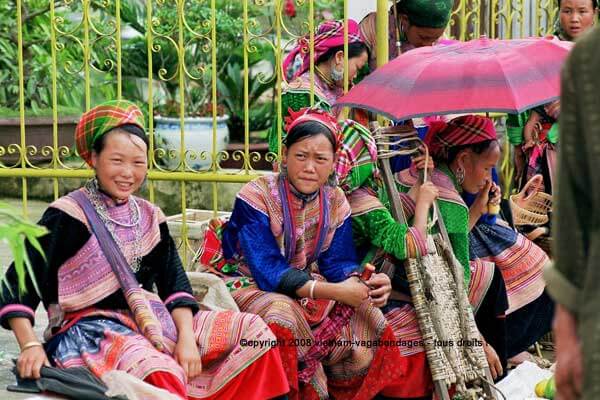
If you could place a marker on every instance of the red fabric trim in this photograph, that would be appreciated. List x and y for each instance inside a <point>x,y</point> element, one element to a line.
<point>387,369</point>
<point>417,381</point>
<point>289,358</point>
<point>71,319</point>
<point>263,379</point>
<point>168,382</point>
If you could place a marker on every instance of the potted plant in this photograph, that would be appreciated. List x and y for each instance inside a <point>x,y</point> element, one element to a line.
<point>261,105</point>
<point>14,230</point>
<point>197,88</point>
<point>37,89</point>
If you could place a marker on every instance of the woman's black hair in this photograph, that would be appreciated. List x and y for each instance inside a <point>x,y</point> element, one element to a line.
<point>477,148</point>
<point>132,129</point>
<point>308,129</point>
<point>594,3</point>
<point>354,50</point>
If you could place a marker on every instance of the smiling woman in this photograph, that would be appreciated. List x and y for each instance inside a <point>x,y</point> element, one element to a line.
<point>120,159</point>
<point>97,285</point>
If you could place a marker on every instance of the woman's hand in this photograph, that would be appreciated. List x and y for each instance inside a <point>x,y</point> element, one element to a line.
<point>427,194</point>
<point>30,362</point>
<point>496,196</point>
<point>188,356</point>
<point>493,361</point>
<point>480,205</point>
<point>352,292</point>
<point>381,288</point>
<point>419,162</point>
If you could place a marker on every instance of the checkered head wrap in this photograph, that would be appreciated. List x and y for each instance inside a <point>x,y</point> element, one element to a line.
<point>100,120</point>
<point>463,130</point>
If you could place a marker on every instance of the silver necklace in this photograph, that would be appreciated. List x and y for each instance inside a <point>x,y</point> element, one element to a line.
<point>93,190</point>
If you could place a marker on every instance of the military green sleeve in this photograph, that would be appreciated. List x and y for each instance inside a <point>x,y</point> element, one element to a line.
<point>572,222</point>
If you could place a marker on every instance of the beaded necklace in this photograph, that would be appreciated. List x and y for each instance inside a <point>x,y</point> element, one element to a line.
<point>93,191</point>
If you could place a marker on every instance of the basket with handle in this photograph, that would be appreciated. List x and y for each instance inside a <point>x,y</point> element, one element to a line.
<point>531,206</point>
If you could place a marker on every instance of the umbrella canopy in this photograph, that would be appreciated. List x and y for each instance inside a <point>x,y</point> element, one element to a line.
<point>476,76</point>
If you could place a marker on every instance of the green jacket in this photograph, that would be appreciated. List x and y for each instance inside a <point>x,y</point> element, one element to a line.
<point>574,279</point>
<point>378,229</point>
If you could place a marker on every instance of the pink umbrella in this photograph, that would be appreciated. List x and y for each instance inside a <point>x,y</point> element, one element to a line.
<point>476,76</point>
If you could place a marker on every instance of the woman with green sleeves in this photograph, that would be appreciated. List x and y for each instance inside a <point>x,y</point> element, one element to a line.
<point>328,72</point>
<point>575,17</point>
<point>385,242</point>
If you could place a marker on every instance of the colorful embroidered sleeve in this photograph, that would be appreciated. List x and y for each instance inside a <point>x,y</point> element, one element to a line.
<point>260,250</point>
<point>171,280</point>
<point>57,250</point>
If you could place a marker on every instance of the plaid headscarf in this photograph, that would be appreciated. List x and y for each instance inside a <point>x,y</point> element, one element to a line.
<point>466,129</point>
<point>357,161</point>
<point>307,114</point>
<point>427,13</point>
<point>100,120</point>
<point>330,34</point>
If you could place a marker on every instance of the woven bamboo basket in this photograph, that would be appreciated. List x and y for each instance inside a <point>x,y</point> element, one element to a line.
<point>531,206</point>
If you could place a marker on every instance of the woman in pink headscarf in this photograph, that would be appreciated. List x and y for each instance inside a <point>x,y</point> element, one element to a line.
<point>328,72</point>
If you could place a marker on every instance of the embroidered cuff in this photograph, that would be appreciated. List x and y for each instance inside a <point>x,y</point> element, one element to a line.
<point>15,310</point>
<point>419,243</point>
<point>292,280</point>
<point>181,299</point>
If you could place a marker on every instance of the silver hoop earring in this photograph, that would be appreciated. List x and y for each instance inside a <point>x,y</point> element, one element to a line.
<point>460,175</point>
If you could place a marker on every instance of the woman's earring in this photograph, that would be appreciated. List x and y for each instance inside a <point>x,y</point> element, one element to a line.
<point>336,75</point>
<point>283,170</point>
<point>333,180</point>
<point>460,175</point>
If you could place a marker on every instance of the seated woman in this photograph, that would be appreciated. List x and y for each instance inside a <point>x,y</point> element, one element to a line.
<point>466,151</point>
<point>386,242</point>
<point>100,317</point>
<point>329,71</point>
<point>288,256</point>
<point>521,261</point>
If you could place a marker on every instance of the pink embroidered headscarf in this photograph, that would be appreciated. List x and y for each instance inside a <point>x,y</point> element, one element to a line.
<point>330,34</point>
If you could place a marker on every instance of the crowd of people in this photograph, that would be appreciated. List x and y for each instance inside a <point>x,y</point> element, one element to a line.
<point>294,251</point>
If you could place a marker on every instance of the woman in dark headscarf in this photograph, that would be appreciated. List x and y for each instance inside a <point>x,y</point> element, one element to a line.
<point>413,23</point>
<point>329,71</point>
